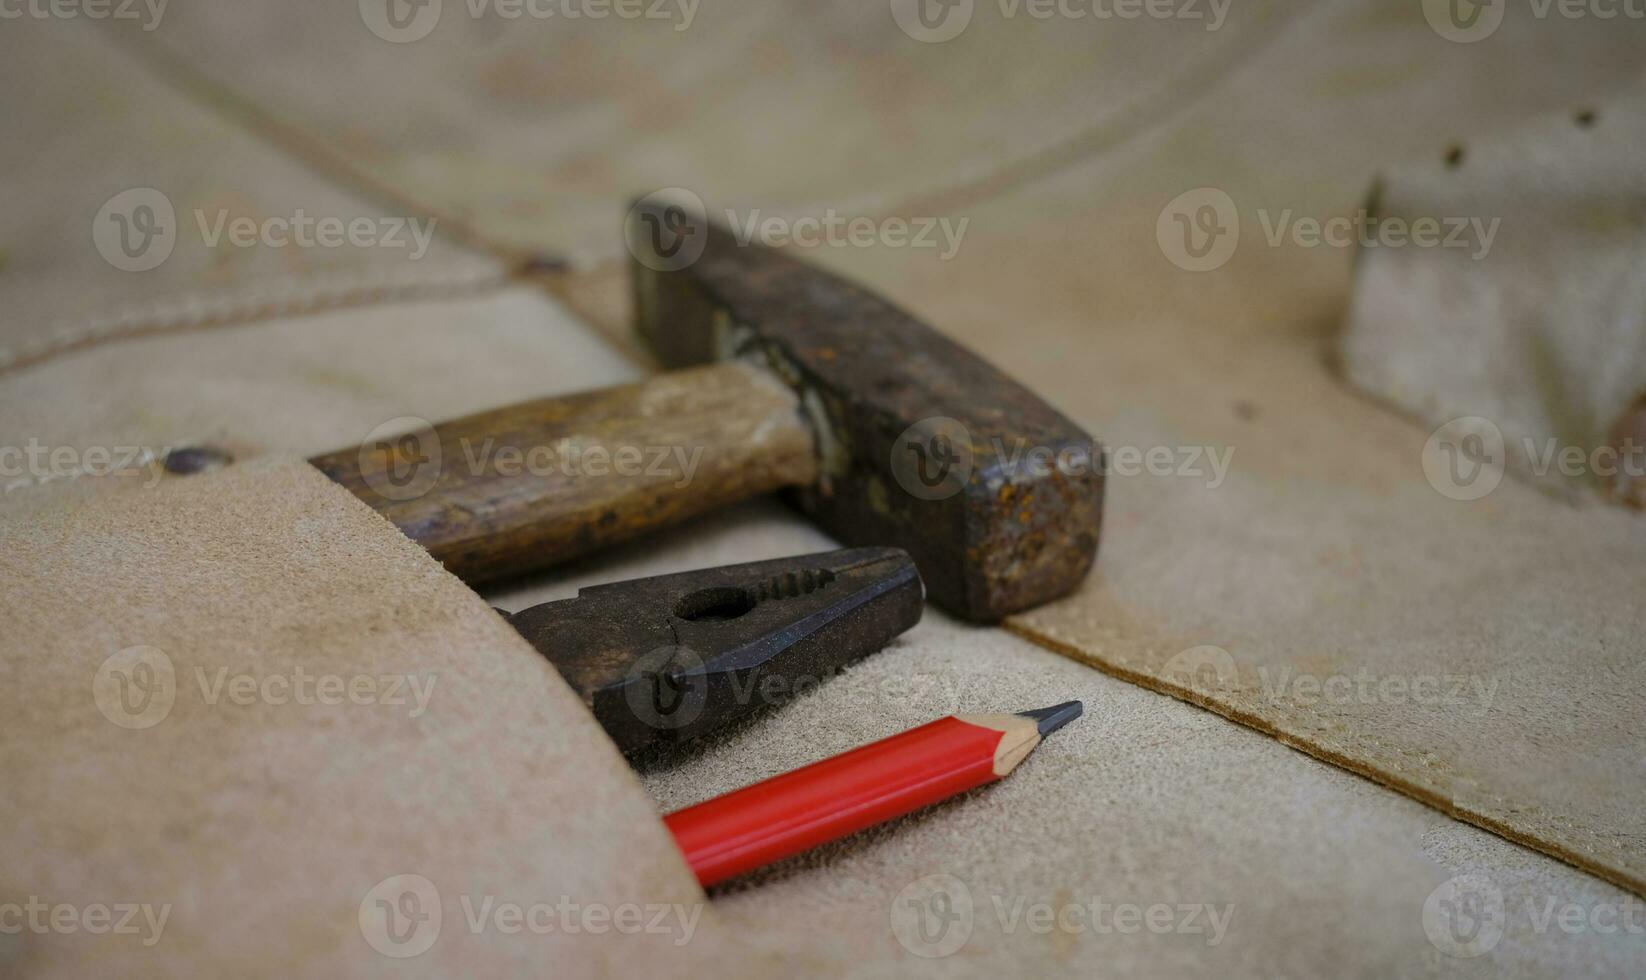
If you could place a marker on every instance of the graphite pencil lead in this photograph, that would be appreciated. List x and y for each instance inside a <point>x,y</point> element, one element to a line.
<point>1049,720</point>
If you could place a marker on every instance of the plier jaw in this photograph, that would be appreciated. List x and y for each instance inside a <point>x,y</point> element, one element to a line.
<point>665,659</point>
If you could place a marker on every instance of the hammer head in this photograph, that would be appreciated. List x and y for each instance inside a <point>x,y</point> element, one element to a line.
<point>923,445</point>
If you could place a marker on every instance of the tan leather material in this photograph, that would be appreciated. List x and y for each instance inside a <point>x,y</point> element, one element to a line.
<point>1152,802</point>
<point>243,702</point>
<point>302,385</point>
<point>1533,330</point>
<point>1142,802</point>
<point>1175,807</point>
<point>232,231</point>
<point>1323,549</point>
<point>486,117</point>
<point>1140,808</point>
<point>1501,640</point>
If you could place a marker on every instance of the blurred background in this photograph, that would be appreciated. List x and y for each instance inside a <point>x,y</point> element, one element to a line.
<point>1075,187</point>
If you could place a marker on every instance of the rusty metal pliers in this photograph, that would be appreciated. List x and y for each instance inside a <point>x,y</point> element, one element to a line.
<point>662,660</point>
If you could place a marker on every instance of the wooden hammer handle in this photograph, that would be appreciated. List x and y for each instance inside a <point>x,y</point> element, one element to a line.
<point>523,487</point>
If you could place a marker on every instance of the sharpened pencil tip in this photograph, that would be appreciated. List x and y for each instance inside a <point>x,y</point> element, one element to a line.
<point>1051,719</point>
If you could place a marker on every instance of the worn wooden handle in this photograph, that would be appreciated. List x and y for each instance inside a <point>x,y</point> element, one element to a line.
<point>523,487</point>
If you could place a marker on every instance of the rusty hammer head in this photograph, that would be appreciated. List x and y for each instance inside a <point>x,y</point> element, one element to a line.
<point>923,445</point>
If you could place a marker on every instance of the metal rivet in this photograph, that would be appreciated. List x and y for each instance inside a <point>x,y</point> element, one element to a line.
<point>196,459</point>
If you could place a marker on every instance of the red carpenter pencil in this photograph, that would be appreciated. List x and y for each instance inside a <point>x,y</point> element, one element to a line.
<point>796,811</point>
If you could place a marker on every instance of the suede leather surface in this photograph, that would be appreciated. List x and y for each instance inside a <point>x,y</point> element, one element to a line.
<point>528,130</point>
<point>259,813</point>
<point>1171,805</point>
<point>1483,656</point>
<point>1145,801</point>
<point>1543,336</point>
<point>86,121</point>
<point>1323,551</point>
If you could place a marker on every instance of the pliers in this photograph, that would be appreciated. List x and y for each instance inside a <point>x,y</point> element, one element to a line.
<point>665,659</point>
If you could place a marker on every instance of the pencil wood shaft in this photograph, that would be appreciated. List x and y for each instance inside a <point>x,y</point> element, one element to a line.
<point>796,811</point>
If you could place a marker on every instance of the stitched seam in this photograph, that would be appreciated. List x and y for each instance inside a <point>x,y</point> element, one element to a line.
<point>1623,870</point>
<point>198,311</point>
